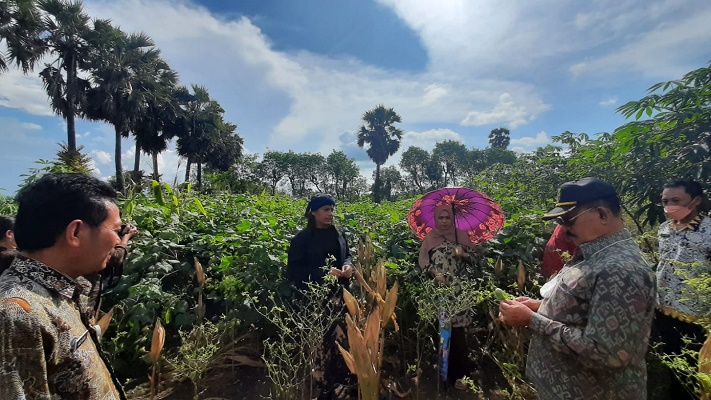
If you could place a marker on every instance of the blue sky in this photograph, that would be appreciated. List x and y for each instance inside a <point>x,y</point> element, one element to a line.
<point>298,75</point>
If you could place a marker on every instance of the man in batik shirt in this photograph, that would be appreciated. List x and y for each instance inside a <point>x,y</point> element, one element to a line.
<point>589,334</point>
<point>66,227</point>
<point>684,252</point>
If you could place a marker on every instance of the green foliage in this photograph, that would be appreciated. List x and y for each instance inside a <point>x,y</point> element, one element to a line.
<point>196,353</point>
<point>7,206</point>
<point>291,355</point>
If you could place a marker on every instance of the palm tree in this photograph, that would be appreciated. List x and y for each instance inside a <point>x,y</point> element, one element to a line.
<point>20,28</point>
<point>65,30</point>
<point>119,71</point>
<point>500,138</point>
<point>382,137</point>
<point>199,125</point>
<point>158,123</point>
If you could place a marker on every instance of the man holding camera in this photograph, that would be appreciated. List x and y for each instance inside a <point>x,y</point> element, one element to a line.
<point>67,227</point>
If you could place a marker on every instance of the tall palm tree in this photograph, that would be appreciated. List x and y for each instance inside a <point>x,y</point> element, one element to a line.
<point>158,123</point>
<point>119,73</point>
<point>382,137</point>
<point>500,138</point>
<point>200,124</point>
<point>20,28</point>
<point>65,33</point>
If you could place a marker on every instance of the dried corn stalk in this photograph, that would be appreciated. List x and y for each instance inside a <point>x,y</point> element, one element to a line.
<point>157,343</point>
<point>366,321</point>
<point>498,266</point>
<point>521,276</point>
<point>104,322</point>
<point>200,276</point>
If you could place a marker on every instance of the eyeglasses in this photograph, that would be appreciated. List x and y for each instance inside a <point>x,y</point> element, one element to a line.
<point>568,222</point>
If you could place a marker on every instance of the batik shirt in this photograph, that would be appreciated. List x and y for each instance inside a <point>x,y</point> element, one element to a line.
<point>443,261</point>
<point>589,336</point>
<point>47,349</point>
<point>683,253</point>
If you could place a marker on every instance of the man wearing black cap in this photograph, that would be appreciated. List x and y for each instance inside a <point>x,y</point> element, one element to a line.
<point>589,333</point>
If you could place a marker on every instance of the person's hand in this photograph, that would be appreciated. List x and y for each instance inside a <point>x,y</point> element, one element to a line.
<point>439,278</point>
<point>461,254</point>
<point>132,231</point>
<point>529,302</point>
<point>129,231</point>
<point>336,272</point>
<point>514,313</point>
<point>347,271</point>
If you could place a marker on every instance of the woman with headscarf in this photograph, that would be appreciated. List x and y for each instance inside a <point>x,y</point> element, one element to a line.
<point>443,258</point>
<point>308,254</point>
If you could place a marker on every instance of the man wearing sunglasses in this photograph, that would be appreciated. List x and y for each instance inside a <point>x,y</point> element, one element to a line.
<point>589,334</point>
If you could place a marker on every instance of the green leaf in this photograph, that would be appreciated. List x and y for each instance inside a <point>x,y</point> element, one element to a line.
<point>157,192</point>
<point>199,206</point>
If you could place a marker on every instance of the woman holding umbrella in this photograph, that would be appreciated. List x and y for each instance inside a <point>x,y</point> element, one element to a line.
<point>452,222</point>
<point>446,257</point>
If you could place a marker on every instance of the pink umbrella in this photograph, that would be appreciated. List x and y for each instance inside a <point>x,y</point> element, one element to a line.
<point>474,212</point>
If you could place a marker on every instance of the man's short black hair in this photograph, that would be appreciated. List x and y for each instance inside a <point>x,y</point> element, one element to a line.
<point>692,188</point>
<point>7,223</point>
<point>610,202</point>
<point>49,204</point>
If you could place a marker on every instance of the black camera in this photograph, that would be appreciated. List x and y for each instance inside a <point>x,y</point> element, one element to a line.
<point>125,228</point>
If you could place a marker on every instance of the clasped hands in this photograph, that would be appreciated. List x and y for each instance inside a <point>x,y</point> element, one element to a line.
<point>517,313</point>
<point>345,272</point>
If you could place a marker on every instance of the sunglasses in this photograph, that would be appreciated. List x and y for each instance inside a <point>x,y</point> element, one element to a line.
<point>568,222</point>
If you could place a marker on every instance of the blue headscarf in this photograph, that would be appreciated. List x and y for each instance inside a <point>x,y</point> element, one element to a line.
<point>318,201</point>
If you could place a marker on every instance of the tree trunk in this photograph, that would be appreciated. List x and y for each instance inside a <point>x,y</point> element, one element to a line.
<point>187,170</point>
<point>117,160</point>
<point>376,185</point>
<point>71,102</point>
<point>137,160</point>
<point>199,174</point>
<point>156,176</point>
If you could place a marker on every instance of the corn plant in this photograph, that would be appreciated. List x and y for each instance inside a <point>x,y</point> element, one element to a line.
<point>366,319</point>
<point>157,343</point>
<point>200,276</point>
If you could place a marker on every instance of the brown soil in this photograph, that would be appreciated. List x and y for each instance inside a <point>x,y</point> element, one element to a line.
<point>246,383</point>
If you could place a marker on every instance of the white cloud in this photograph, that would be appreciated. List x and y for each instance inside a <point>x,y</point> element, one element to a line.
<point>610,101</point>
<point>506,111</point>
<point>528,143</point>
<point>428,139</point>
<point>577,69</point>
<point>31,126</point>
<point>433,93</point>
<point>101,157</point>
<point>93,168</point>
<point>23,92</point>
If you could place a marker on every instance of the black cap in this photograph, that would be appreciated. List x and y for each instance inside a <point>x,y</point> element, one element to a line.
<point>318,201</point>
<point>579,192</point>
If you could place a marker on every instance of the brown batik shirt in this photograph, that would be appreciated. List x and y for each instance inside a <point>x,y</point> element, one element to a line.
<point>47,348</point>
<point>589,337</point>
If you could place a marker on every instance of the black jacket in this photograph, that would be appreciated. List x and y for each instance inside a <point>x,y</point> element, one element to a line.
<point>306,258</point>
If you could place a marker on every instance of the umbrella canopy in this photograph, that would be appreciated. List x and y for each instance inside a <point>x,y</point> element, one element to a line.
<point>474,212</point>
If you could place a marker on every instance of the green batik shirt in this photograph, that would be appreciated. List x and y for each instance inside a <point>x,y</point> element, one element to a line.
<point>589,336</point>
<point>48,350</point>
